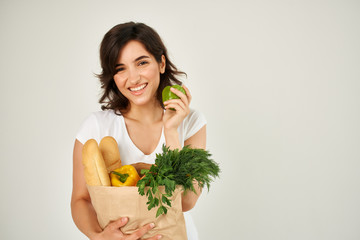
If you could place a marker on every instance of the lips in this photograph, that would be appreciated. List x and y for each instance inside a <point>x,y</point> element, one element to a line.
<point>138,88</point>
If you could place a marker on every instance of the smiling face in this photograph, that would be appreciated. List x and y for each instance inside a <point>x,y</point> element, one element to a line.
<point>138,74</point>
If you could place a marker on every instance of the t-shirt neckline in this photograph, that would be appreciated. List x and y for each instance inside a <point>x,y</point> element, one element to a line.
<point>132,144</point>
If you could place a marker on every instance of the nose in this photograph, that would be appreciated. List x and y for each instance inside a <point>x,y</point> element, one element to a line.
<point>134,76</point>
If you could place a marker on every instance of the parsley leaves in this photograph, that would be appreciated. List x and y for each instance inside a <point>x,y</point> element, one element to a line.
<point>172,168</point>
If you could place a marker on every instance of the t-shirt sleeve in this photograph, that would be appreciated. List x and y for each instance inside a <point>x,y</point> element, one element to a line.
<point>193,123</point>
<point>88,129</point>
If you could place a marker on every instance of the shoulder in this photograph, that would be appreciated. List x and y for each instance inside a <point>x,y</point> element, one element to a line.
<point>97,124</point>
<point>105,120</point>
<point>193,122</point>
<point>104,115</point>
<point>195,116</point>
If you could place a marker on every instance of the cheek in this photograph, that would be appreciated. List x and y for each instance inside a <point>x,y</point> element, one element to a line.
<point>120,84</point>
<point>151,73</point>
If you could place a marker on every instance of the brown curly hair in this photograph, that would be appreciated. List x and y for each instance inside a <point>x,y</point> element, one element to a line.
<point>113,42</point>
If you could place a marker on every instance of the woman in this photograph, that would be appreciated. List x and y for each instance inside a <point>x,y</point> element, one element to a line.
<point>135,70</point>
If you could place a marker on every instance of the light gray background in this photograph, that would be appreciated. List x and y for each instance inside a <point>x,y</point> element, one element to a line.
<point>277,80</point>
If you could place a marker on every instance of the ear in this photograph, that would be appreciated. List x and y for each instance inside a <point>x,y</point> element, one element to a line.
<point>162,64</point>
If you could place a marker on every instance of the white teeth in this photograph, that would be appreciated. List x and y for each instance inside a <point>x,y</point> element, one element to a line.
<point>138,88</point>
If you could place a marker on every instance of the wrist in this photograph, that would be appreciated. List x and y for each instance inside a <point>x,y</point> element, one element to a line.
<point>172,138</point>
<point>170,132</point>
<point>96,235</point>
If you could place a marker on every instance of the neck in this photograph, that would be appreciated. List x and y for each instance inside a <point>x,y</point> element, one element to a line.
<point>146,114</point>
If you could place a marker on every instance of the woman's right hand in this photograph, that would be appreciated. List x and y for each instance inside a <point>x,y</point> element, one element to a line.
<point>112,231</point>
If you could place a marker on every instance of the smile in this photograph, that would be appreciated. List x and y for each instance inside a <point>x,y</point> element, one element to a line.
<point>138,88</point>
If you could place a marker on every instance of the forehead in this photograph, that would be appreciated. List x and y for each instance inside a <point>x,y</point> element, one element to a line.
<point>131,51</point>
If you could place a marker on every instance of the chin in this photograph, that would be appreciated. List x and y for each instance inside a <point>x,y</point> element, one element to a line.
<point>141,102</point>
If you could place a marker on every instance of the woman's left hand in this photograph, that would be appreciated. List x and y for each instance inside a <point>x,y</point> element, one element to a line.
<point>172,119</point>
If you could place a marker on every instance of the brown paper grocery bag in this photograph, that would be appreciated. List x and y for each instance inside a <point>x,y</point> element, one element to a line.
<point>110,203</point>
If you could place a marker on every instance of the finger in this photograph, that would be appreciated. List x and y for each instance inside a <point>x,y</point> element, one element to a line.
<point>187,93</point>
<point>175,106</point>
<point>180,94</point>
<point>176,101</point>
<point>118,223</point>
<point>141,232</point>
<point>154,237</point>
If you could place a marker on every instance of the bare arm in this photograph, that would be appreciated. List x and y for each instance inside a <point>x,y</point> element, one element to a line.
<point>198,140</point>
<point>82,210</point>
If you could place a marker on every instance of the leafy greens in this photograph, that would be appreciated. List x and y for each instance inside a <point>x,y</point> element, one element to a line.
<point>172,168</point>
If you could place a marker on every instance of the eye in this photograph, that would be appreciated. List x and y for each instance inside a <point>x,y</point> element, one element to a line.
<point>119,70</point>
<point>141,63</point>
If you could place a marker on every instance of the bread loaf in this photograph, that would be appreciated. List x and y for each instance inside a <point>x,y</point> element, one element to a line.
<point>110,152</point>
<point>95,171</point>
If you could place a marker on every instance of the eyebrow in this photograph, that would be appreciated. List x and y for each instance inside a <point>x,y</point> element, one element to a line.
<point>137,59</point>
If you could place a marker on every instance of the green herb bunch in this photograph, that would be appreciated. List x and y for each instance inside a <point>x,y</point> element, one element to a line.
<point>174,167</point>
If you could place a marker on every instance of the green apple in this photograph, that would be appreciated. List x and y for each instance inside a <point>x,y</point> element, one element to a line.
<point>168,95</point>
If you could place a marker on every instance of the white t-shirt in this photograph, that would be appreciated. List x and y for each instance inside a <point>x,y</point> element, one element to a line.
<point>107,123</point>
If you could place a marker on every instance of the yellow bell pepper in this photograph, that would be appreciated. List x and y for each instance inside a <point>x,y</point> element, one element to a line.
<point>124,176</point>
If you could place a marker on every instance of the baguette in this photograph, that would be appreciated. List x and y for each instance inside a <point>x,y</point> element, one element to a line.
<point>110,152</point>
<point>95,170</point>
